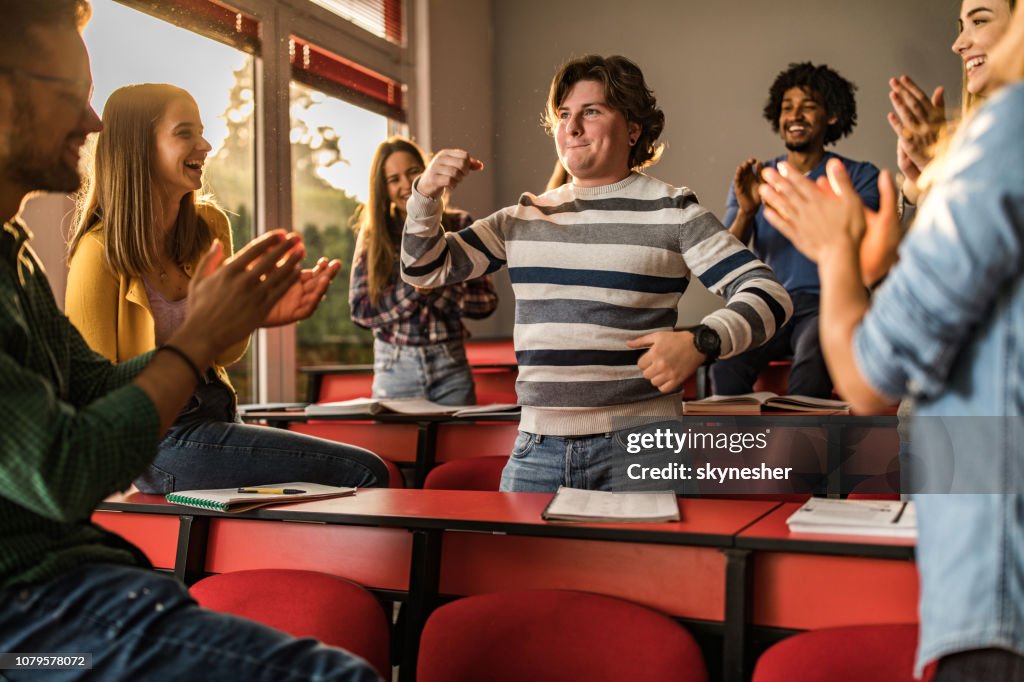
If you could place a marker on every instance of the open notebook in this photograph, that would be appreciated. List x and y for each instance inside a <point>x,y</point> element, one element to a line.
<point>598,506</point>
<point>411,406</point>
<point>753,403</point>
<point>230,500</point>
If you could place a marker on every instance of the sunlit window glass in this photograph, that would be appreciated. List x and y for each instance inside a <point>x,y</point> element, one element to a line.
<point>332,146</point>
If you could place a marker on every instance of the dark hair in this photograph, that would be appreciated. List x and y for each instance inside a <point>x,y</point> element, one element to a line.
<point>20,16</point>
<point>835,91</point>
<point>624,89</point>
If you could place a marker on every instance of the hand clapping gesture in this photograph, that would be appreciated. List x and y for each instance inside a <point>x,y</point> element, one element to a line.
<point>828,216</point>
<point>917,121</point>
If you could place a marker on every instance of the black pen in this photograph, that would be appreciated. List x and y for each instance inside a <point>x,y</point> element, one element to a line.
<point>272,491</point>
<point>899,514</point>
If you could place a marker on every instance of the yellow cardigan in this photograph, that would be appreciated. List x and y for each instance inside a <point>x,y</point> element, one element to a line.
<point>112,311</point>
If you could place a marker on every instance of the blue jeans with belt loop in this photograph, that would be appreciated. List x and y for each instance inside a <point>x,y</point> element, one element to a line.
<point>137,624</point>
<point>438,372</point>
<point>542,463</point>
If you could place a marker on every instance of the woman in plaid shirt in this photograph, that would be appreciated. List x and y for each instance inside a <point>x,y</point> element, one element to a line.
<point>418,333</point>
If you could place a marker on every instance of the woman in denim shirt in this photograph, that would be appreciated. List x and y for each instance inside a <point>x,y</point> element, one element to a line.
<point>946,328</point>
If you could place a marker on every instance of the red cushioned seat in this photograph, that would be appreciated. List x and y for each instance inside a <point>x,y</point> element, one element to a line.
<point>304,604</point>
<point>858,653</point>
<point>541,635</point>
<point>475,473</point>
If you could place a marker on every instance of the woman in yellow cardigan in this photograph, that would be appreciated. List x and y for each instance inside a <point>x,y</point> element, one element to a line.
<point>140,232</point>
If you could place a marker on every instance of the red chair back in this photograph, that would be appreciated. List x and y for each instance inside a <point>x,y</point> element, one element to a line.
<point>477,473</point>
<point>304,604</point>
<point>842,654</point>
<point>540,635</point>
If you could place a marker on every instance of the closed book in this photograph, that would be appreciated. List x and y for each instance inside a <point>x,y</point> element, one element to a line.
<point>887,518</point>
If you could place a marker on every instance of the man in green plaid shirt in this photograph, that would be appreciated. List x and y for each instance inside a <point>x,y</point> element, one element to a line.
<point>78,428</point>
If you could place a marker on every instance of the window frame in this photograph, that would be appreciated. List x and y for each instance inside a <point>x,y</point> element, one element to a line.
<point>277,21</point>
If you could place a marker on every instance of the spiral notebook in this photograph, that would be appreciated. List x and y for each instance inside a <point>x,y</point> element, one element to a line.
<point>230,500</point>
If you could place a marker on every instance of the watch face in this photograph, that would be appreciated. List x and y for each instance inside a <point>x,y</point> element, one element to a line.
<point>708,341</point>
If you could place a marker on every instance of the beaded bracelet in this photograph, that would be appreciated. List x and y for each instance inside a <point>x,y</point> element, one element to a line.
<point>184,356</point>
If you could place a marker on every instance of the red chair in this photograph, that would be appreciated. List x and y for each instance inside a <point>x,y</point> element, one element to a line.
<point>878,487</point>
<point>304,604</point>
<point>477,473</point>
<point>880,653</point>
<point>395,478</point>
<point>774,377</point>
<point>542,635</point>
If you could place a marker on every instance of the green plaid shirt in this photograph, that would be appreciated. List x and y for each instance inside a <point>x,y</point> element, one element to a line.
<point>74,429</point>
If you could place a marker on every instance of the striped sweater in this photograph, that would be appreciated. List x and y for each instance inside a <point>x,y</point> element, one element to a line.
<point>592,268</point>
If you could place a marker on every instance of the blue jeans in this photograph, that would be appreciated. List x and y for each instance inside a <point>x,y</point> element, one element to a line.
<point>980,665</point>
<point>142,625</point>
<point>542,463</point>
<point>438,372</point>
<point>207,447</point>
<point>798,339</point>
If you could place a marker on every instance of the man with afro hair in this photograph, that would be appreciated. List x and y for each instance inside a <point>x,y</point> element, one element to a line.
<point>810,107</point>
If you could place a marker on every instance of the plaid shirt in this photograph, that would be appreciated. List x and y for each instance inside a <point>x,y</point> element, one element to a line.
<point>75,430</point>
<point>405,317</point>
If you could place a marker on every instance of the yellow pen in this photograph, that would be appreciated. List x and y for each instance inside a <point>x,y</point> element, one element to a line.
<point>272,491</point>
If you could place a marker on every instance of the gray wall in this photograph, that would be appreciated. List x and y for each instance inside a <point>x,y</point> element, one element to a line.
<point>710,65</point>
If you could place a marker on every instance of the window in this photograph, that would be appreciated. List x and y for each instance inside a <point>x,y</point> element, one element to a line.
<point>382,18</point>
<point>346,94</point>
<point>333,142</point>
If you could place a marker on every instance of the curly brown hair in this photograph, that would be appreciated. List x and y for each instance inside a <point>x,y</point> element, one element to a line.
<point>624,89</point>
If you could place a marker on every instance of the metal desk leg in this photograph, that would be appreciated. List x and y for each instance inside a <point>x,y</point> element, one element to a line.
<point>424,579</point>
<point>190,559</point>
<point>426,452</point>
<point>737,615</point>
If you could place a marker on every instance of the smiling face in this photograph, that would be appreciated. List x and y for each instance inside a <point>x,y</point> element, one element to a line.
<point>982,23</point>
<point>803,121</point>
<point>44,123</point>
<point>592,138</point>
<point>180,149</point>
<point>400,170</point>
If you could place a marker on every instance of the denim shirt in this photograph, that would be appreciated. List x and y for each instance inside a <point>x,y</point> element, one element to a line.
<point>946,328</point>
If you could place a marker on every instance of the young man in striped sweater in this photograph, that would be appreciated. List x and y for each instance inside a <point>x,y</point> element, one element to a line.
<point>598,266</point>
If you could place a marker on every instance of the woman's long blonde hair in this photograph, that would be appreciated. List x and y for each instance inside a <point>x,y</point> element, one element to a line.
<point>119,192</point>
<point>373,219</point>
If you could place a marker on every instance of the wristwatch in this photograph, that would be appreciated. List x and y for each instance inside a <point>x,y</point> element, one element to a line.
<point>707,341</point>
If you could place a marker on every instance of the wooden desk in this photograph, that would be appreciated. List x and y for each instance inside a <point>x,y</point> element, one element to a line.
<point>420,544</point>
<point>803,581</point>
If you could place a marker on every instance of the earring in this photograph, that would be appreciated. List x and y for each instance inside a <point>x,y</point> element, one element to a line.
<point>632,141</point>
